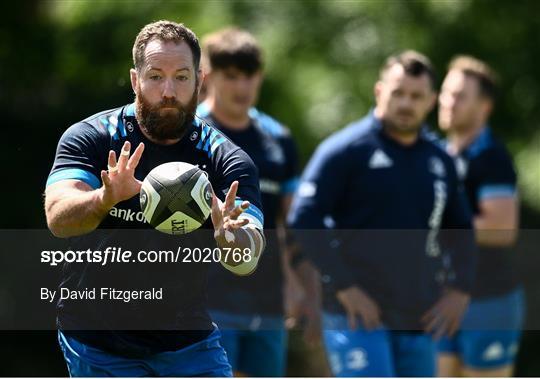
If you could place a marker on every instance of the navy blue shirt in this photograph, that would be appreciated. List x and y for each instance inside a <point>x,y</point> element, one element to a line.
<point>370,212</point>
<point>81,154</point>
<point>273,151</point>
<point>487,171</point>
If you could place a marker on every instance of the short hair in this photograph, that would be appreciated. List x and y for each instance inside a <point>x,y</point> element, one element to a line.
<point>167,31</point>
<point>414,63</point>
<point>479,70</point>
<point>232,47</point>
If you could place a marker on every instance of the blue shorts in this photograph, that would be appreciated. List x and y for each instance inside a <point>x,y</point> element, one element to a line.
<point>490,332</point>
<point>376,353</point>
<point>255,345</point>
<point>204,358</point>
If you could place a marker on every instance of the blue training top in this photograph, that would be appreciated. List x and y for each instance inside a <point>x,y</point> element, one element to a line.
<point>274,152</point>
<point>372,212</point>
<point>81,154</point>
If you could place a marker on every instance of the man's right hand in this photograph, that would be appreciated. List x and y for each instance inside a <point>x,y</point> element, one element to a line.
<point>73,207</point>
<point>358,303</point>
<point>119,182</point>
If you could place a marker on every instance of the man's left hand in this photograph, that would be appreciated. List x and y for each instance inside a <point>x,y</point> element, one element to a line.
<point>445,316</point>
<point>225,217</point>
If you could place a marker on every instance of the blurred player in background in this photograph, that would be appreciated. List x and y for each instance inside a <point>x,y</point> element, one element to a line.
<point>489,339</point>
<point>384,291</point>
<point>96,177</point>
<point>250,314</point>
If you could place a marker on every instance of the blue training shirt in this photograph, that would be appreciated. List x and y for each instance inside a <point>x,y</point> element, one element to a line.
<point>274,152</point>
<point>81,154</point>
<point>371,212</point>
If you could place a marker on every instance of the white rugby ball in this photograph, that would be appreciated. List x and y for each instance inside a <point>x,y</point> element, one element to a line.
<point>176,198</point>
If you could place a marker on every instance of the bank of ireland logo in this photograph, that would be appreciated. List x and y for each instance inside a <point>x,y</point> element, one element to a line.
<point>127,214</point>
<point>129,126</point>
<point>193,136</point>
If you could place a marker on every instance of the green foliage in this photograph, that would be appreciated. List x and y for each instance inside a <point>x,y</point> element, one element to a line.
<point>63,60</point>
<point>322,58</point>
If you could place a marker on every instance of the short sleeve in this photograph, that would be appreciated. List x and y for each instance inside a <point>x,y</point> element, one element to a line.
<point>237,165</point>
<point>494,174</point>
<point>80,155</point>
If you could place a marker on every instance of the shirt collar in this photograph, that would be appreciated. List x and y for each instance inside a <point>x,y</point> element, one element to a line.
<point>425,132</point>
<point>480,142</point>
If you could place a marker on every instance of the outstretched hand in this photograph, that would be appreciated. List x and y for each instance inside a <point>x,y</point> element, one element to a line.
<point>225,216</point>
<point>119,182</point>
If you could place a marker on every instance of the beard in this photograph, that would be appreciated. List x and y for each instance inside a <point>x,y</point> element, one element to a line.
<point>165,124</point>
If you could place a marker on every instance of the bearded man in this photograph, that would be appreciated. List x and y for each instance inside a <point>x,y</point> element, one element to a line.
<point>90,191</point>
